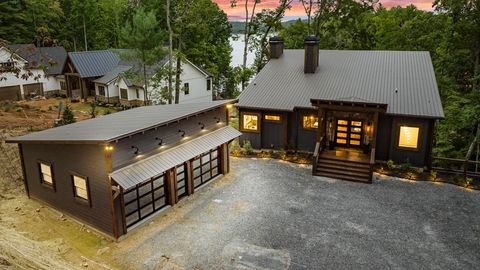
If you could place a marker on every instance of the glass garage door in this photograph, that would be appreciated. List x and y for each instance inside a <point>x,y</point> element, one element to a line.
<point>144,199</point>
<point>205,167</point>
<point>181,181</point>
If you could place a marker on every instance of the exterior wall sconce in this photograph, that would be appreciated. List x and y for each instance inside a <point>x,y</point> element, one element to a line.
<point>216,118</point>
<point>136,149</point>
<point>202,125</point>
<point>108,148</point>
<point>182,132</point>
<point>160,141</point>
<point>229,106</point>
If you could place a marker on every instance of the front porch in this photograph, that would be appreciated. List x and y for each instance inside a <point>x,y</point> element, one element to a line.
<point>346,140</point>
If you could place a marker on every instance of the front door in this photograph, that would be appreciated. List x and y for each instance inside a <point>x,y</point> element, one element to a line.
<point>348,133</point>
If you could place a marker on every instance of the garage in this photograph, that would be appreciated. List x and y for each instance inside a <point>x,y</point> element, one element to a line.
<point>10,92</point>
<point>33,89</point>
<point>181,185</point>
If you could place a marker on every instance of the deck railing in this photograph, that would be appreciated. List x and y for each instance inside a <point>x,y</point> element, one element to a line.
<point>372,162</point>
<point>457,166</point>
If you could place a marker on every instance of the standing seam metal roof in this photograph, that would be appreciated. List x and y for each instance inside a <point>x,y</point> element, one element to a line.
<point>403,80</point>
<point>118,125</point>
<point>94,63</point>
<point>143,170</point>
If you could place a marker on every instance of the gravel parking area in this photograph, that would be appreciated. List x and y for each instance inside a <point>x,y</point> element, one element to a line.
<point>268,214</point>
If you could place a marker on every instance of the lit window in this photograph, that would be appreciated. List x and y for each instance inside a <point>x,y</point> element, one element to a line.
<point>80,189</point>
<point>250,122</point>
<point>408,137</point>
<point>310,121</point>
<point>46,174</point>
<point>275,118</point>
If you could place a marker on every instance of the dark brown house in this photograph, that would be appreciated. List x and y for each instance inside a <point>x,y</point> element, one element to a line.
<point>115,171</point>
<point>350,108</point>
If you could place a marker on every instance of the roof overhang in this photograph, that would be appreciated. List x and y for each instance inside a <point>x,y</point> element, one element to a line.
<point>155,165</point>
<point>353,105</point>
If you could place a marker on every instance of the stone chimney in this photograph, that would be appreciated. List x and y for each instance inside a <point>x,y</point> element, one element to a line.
<point>311,54</point>
<point>276,47</point>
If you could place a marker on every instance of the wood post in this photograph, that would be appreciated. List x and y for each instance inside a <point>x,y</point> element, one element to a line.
<point>224,159</point>
<point>24,173</point>
<point>189,178</point>
<point>171,184</point>
<point>375,128</point>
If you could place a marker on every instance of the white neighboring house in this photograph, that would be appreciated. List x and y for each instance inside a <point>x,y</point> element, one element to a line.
<point>44,64</point>
<point>116,87</point>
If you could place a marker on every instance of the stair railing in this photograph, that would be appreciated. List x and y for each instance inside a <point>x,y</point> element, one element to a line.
<point>316,154</point>
<point>372,163</point>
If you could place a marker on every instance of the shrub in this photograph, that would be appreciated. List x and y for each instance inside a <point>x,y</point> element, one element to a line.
<point>468,181</point>
<point>406,167</point>
<point>434,175</point>
<point>42,110</point>
<point>247,147</point>
<point>107,112</point>
<point>50,108</point>
<point>390,164</point>
<point>67,117</point>
<point>19,109</point>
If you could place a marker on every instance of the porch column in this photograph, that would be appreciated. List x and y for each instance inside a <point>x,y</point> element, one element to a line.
<point>375,127</point>
<point>189,178</point>
<point>322,114</point>
<point>171,182</point>
<point>224,159</point>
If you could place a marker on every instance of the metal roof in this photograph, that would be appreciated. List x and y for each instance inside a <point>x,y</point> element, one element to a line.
<point>94,63</point>
<point>118,125</point>
<point>155,165</point>
<point>51,58</point>
<point>112,74</point>
<point>404,80</point>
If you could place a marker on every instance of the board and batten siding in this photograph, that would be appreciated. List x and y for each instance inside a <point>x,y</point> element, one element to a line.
<point>146,142</point>
<point>85,160</point>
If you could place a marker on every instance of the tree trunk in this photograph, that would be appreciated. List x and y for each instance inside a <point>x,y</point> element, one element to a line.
<point>85,33</point>
<point>170,53</point>
<point>245,40</point>
<point>145,80</point>
<point>178,72</point>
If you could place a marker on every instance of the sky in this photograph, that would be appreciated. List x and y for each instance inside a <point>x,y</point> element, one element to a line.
<point>297,10</point>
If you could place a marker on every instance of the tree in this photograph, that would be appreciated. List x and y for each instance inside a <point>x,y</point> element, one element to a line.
<point>170,51</point>
<point>144,37</point>
<point>67,117</point>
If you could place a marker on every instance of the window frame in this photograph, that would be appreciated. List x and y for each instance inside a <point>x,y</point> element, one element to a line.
<point>186,88</point>
<point>419,141</point>
<point>209,84</point>
<point>309,128</point>
<point>137,93</point>
<point>272,121</point>
<point>259,118</point>
<point>77,198</point>
<point>43,182</point>
<point>101,88</point>
<point>126,91</point>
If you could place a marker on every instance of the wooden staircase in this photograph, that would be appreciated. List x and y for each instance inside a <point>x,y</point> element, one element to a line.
<point>338,168</point>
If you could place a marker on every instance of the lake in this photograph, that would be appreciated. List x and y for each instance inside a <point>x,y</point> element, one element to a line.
<point>237,52</point>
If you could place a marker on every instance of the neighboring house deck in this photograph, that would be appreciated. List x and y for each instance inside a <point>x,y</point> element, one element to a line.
<point>383,104</point>
<point>40,71</point>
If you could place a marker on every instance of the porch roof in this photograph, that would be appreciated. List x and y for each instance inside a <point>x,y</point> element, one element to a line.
<point>155,165</point>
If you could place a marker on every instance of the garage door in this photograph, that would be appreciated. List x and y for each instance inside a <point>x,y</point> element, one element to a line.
<point>33,89</point>
<point>205,167</point>
<point>144,199</point>
<point>181,187</point>
<point>10,92</point>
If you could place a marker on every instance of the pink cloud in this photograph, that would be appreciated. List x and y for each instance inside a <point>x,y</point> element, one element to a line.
<point>297,8</point>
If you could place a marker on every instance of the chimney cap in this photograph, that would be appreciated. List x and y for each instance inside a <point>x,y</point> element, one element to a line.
<point>312,40</point>
<point>276,39</point>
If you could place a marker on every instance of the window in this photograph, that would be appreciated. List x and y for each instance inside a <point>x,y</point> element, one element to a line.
<point>7,65</point>
<point>123,93</point>
<point>408,137</point>
<point>80,187</point>
<point>310,121</point>
<point>101,90</point>
<point>137,92</point>
<point>46,175</point>
<point>250,122</point>
<point>63,85</point>
<point>209,85</point>
<point>273,118</point>
<point>186,88</point>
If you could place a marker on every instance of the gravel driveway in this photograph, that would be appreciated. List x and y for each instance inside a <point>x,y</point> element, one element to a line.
<point>268,214</point>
